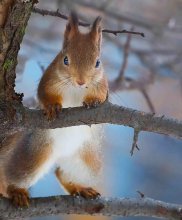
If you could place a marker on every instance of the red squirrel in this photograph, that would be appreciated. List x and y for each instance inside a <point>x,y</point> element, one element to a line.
<point>74,78</point>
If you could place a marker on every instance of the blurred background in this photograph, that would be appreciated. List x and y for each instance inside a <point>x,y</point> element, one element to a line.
<point>144,74</point>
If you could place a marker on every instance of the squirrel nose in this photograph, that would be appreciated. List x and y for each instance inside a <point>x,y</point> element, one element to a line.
<point>80,82</point>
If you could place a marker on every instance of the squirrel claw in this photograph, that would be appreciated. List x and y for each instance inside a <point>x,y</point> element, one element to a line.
<point>52,111</point>
<point>87,193</point>
<point>91,103</point>
<point>18,196</point>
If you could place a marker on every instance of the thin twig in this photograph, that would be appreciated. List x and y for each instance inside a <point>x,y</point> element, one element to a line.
<point>123,32</point>
<point>56,14</point>
<point>84,24</point>
<point>119,82</point>
<point>148,100</point>
<point>120,77</point>
<point>135,139</point>
<point>42,68</point>
<point>142,195</point>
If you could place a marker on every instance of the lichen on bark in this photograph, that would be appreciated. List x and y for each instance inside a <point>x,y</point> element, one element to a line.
<point>11,35</point>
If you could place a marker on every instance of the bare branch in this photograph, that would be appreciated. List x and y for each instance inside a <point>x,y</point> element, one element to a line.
<point>124,18</point>
<point>123,32</point>
<point>84,24</point>
<point>118,17</point>
<point>56,14</point>
<point>148,100</point>
<point>120,77</point>
<point>135,140</point>
<point>125,59</point>
<point>151,51</point>
<point>102,206</point>
<point>105,113</point>
<point>42,68</point>
<point>142,195</point>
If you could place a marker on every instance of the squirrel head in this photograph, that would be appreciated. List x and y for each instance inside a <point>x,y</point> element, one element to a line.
<point>80,57</point>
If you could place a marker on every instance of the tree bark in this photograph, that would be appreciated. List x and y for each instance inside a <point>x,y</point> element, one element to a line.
<point>106,113</point>
<point>102,206</point>
<point>12,30</point>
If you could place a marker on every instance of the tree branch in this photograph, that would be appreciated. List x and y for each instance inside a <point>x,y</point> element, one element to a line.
<point>119,81</point>
<point>106,113</point>
<point>148,100</point>
<point>102,206</point>
<point>135,140</point>
<point>84,24</point>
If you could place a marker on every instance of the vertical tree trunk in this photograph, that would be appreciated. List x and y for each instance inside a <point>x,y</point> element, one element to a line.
<point>13,21</point>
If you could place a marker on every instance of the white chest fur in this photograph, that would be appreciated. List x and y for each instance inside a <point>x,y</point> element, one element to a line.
<point>66,141</point>
<point>73,96</point>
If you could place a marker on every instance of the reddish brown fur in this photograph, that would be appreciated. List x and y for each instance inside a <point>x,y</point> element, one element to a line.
<point>76,189</point>
<point>18,196</point>
<point>48,92</point>
<point>5,150</point>
<point>82,50</point>
<point>23,154</point>
<point>91,158</point>
<point>97,94</point>
<point>32,151</point>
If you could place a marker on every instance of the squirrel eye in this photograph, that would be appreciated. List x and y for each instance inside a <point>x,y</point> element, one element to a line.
<point>66,62</point>
<point>97,63</point>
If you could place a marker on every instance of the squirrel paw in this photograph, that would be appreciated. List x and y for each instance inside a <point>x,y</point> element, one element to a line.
<point>52,111</point>
<point>91,103</point>
<point>85,192</point>
<point>18,196</point>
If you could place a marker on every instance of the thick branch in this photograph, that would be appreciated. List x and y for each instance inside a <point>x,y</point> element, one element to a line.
<point>105,113</point>
<point>101,206</point>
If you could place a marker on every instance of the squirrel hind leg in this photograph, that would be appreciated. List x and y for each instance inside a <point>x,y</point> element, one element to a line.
<point>75,189</point>
<point>18,196</point>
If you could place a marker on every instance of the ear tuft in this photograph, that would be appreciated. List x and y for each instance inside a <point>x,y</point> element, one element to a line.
<point>73,19</point>
<point>72,26</point>
<point>96,31</point>
<point>97,24</point>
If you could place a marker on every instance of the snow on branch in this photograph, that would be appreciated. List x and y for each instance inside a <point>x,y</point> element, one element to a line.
<point>57,205</point>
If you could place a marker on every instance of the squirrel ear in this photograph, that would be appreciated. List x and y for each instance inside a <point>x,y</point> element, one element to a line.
<point>72,26</point>
<point>96,30</point>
